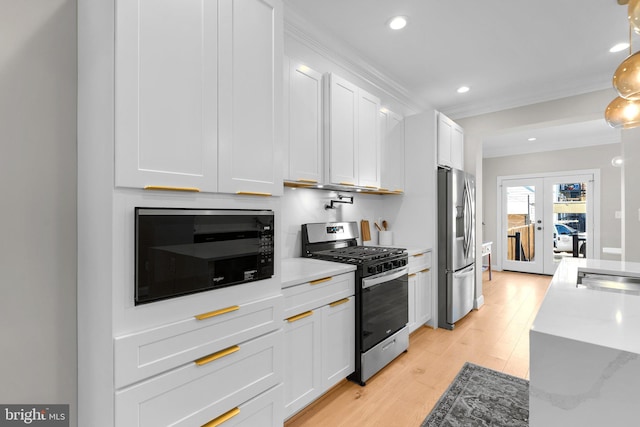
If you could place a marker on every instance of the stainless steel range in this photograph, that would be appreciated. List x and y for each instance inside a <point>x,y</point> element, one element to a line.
<point>381,295</point>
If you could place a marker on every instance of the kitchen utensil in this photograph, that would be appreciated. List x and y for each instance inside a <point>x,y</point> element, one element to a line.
<point>366,231</point>
<point>385,224</point>
<point>377,226</point>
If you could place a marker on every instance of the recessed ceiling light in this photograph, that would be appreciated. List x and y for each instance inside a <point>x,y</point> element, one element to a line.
<point>398,22</point>
<point>619,47</point>
<point>463,89</point>
<point>532,139</point>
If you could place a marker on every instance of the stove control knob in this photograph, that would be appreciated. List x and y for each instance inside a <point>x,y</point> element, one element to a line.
<point>372,269</point>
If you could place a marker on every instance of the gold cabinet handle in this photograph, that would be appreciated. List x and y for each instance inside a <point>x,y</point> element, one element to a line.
<point>217,312</point>
<point>222,418</point>
<point>217,355</point>
<point>339,302</point>
<point>315,282</point>
<point>426,270</point>
<point>398,191</point>
<point>417,255</point>
<point>310,181</point>
<point>167,188</point>
<point>347,183</point>
<point>300,316</point>
<point>383,189</point>
<point>253,193</point>
<point>372,186</point>
<point>413,274</point>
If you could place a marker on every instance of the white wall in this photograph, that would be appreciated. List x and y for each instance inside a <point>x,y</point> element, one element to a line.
<point>594,157</point>
<point>631,191</point>
<point>38,215</point>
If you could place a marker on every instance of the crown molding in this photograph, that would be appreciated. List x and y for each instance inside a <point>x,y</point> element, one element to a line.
<point>337,52</point>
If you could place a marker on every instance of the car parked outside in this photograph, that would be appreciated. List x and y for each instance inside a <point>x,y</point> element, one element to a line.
<point>563,239</point>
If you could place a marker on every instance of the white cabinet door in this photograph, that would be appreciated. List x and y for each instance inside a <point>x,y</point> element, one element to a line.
<point>445,129</point>
<point>423,297</point>
<point>302,361</point>
<point>250,93</point>
<point>413,302</point>
<point>457,147</point>
<point>166,93</point>
<point>450,143</point>
<point>342,133</point>
<point>392,141</point>
<point>304,124</point>
<point>338,343</point>
<point>368,140</point>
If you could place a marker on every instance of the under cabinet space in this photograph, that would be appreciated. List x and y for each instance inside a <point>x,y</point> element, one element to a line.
<point>147,353</point>
<point>193,395</point>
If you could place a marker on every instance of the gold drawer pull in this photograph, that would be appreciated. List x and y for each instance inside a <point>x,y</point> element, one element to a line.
<point>217,355</point>
<point>413,275</point>
<point>417,255</point>
<point>347,183</point>
<point>167,188</point>
<point>398,191</point>
<point>300,316</point>
<point>383,189</point>
<point>217,312</point>
<point>311,181</point>
<point>253,193</point>
<point>339,302</point>
<point>426,270</point>
<point>372,186</point>
<point>315,282</point>
<point>222,418</point>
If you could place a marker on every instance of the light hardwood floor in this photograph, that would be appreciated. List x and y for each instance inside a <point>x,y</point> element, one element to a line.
<point>404,392</point>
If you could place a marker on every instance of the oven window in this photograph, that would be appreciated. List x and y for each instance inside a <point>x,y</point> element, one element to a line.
<point>385,310</point>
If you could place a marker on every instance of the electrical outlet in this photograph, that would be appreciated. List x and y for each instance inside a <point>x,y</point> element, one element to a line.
<point>618,215</point>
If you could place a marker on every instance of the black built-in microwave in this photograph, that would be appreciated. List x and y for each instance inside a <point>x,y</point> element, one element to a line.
<point>183,251</point>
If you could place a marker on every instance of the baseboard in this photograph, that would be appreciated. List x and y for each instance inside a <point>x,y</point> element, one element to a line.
<point>479,302</point>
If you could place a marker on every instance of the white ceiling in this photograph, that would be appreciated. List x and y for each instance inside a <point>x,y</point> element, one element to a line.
<point>510,52</point>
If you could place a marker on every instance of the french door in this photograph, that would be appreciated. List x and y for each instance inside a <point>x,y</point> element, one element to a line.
<point>544,219</point>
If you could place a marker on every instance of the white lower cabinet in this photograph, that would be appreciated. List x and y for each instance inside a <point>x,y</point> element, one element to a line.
<point>319,340</point>
<point>302,373</point>
<point>338,341</point>
<point>420,290</point>
<point>198,392</point>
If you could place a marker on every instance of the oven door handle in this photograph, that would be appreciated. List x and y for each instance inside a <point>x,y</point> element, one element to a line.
<point>384,277</point>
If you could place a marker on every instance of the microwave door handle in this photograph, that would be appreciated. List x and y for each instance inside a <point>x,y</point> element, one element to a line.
<point>384,277</point>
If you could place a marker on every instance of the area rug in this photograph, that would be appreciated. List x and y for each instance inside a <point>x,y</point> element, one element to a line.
<point>482,397</point>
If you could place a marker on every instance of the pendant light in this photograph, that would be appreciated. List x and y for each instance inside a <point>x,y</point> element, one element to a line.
<point>623,113</point>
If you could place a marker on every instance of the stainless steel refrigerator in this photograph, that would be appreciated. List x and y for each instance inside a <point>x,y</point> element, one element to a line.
<point>456,245</point>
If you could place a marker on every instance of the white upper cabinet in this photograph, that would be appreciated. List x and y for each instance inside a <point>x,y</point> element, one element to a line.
<point>165,93</point>
<point>304,127</point>
<point>352,135</point>
<point>342,133</point>
<point>198,94</point>
<point>368,140</point>
<point>450,143</point>
<point>392,141</point>
<point>250,97</point>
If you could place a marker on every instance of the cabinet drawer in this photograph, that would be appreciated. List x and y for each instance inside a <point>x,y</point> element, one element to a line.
<point>147,353</point>
<point>419,261</point>
<point>264,410</point>
<point>310,295</point>
<point>196,394</point>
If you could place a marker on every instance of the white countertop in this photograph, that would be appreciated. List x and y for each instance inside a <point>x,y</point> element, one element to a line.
<point>300,270</point>
<point>604,318</point>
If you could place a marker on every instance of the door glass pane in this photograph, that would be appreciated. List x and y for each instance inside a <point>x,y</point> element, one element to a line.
<point>569,220</point>
<point>521,217</point>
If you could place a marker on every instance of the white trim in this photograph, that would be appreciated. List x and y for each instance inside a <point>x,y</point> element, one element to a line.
<point>479,302</point>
